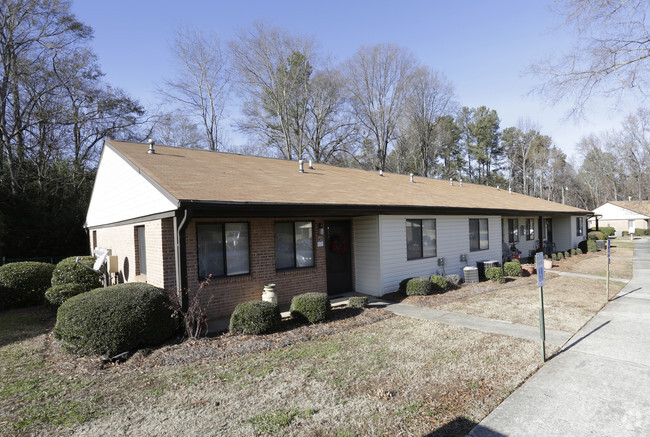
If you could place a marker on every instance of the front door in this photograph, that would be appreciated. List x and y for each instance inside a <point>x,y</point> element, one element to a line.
<point>338,257</point>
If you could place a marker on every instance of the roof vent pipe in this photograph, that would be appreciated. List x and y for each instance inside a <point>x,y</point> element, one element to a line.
<point>311,167</point>
<point>301,168</point>
<point>411,177</point>
<point>381,172</point>
<point>151,144</point>
<point>451,182</point>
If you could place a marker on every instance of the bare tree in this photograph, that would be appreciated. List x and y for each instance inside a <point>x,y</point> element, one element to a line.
<point>273,70</point>
<point>612,54</point>
<point>202,85</point>
<point>378,80</point>
<point>329,131</point>
<point>430,98</point>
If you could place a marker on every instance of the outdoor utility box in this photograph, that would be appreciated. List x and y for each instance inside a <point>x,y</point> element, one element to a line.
<point>112,266</point>
<point>482,265</point>
<point>470,275</point>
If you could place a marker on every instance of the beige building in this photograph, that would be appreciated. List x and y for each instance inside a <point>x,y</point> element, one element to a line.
<point>623,216</point>
<point>185,219</point>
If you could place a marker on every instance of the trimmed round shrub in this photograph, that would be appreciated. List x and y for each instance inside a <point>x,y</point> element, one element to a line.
<point>591,246</point>
<point>419,287</point>
<point>578,251</point>
<point>582,246</point>
<point>24,283</point>
<point>567,254</point>
<point>495,274</point>
<point>358,302</point>
<point>607,230</point>
<point>453,281</point>
<point>310,307</point>
<point>69,272</point>
<point>560,255</point>
<point>573,252</point>
<point>439,283</point>
<point>513,268</point>
<point>58,294</point>
<point>554,256</point>
<point>402,285</point>
<point>114,319</point>
<point>255,317</point>
<point>596,235</point>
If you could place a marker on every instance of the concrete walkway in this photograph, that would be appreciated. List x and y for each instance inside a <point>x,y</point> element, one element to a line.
<point>599,385</point>
<point>557,338</point>
<point>583,275</point>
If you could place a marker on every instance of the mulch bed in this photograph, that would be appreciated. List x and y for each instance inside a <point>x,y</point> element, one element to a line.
<point>465,291</point>
<point>342,319</point>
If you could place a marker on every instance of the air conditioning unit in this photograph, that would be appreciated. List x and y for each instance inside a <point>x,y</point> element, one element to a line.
<point>470,275</point>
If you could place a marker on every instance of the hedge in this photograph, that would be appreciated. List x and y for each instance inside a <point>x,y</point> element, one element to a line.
<point>402,285</point>
<point>439,284</point>
<point>567,254</point>
<point>58,294</point>
<point>607,230</point>
<point>310,307</point>
<point>419,287</point>
<point>114,319</point>
<point>513,268</point>
<point>68,271</point>
<point>591,246</point>
<point>495,274</point>
<point>596,235</point>
<point>24,283</point>
<point>255,317</point>
<point>358,302</point>
<point>582,246</point>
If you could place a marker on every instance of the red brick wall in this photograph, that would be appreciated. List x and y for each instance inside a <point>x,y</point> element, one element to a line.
<point>222,295</point>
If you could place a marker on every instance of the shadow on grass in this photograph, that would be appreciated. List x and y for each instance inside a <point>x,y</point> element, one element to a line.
<point>23,323</point>
<point>337,313</point>
<point>461,426</point>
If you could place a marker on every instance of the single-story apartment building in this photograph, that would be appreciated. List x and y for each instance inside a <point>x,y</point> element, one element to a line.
<point>178,218</point>
<point>623,216</point>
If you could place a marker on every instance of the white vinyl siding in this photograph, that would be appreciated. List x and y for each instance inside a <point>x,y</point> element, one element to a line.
<point>121,193</point>
<point>366,255</point>
<point>452,240</point>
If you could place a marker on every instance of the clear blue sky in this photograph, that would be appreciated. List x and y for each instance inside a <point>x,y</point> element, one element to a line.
<point>482,46</point>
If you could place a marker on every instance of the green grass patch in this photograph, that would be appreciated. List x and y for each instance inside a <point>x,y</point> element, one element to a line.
<point>274,421</point>
<point>24,323</point>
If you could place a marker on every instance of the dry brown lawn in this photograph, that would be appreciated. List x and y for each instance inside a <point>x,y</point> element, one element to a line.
<point>595,263</point>
<point>391,376</point>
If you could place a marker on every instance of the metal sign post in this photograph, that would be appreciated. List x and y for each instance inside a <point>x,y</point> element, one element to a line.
<point>609,251</point>
<point>539,258</point>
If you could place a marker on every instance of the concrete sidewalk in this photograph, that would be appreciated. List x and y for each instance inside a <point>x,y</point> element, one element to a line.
<point>599,384</point>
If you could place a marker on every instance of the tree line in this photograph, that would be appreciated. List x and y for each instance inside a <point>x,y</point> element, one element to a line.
<point>380,109</point>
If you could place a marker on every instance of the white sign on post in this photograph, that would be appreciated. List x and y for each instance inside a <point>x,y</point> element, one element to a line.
<point>539,260</point>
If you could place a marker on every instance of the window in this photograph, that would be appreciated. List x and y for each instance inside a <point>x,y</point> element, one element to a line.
<point>513,231</point>
<point>223,249</point>
<point>294,245</point>
<point>579,227</point>
<point>420,238</point>
<point>478,235</point>
<point>140,251</point>
<point>530,229</point>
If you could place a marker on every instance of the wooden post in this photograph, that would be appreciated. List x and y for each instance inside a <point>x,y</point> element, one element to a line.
<point>539,257</point>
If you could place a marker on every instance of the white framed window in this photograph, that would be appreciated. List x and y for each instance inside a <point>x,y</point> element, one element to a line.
<point>421,238</point>
<point>223,249</point>
<point>140,251</point>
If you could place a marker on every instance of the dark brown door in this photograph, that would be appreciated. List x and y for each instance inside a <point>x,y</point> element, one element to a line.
<point>339,256</point>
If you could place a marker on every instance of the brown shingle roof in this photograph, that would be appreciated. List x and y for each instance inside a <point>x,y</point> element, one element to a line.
<point>639,206</point>
<point>201,175</point>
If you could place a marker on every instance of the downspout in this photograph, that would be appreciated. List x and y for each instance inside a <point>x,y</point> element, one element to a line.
<point>181,257</point>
